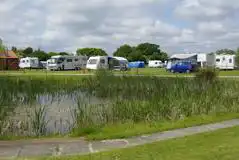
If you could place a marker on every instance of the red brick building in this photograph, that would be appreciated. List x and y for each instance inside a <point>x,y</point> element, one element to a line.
<point>8,60</point>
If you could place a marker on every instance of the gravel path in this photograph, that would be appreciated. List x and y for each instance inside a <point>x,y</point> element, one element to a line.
<point>56,147</point>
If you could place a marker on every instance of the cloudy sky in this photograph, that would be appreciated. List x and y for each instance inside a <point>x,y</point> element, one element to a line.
<point>65,25</point>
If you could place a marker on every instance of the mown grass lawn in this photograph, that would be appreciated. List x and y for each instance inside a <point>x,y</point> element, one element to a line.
<point>126,130</point>
<point>218,145</point>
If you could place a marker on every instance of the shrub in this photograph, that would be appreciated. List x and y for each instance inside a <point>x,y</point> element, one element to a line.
<point>207,74</point>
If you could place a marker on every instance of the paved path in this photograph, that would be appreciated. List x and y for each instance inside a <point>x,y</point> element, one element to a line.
<point>54,147</point>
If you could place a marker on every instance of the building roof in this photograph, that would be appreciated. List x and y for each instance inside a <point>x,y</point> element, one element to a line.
<point>182,56</point>
<point>8,54</point>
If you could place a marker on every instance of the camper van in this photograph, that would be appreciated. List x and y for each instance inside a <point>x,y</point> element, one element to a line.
<point>67,62</point>
<point>29,62</point>
<point>155,64</point>
<point>105,62</point>
<point>226,62</point>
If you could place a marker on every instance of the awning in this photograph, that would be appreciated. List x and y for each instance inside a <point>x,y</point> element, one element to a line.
<point>182,56</point>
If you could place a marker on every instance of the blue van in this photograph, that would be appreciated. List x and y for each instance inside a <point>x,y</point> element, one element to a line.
<point>182,67</point>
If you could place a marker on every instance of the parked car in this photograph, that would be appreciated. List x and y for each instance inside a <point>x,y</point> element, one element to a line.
<point>183,67</point>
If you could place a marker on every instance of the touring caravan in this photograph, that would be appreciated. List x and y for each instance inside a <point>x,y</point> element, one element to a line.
<point>106,62</point>
<point>66,62</point>
<point>206,60</point>
<point>29,62</point>
<point>155,64</point>
<point>226,62</point>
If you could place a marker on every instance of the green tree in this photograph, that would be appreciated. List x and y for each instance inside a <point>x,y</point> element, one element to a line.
<point>123,51</point>
<point>27,52</point>
<point>144,52</point>
<point>63,53</point>
<point>237,57</point>
<point>14,49</point>
<point>225,51</point>
<point>41,55</point>
<point>50,54</point>
<point>2,47</point>
<point>137,56</point>
<point>91,52</point>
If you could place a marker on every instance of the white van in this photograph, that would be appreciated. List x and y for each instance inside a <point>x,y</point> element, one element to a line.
<point>155,64</point>
<point>29,62</point>
<point>226,62</point>
<point>67,62</point>
<point>105,62</point>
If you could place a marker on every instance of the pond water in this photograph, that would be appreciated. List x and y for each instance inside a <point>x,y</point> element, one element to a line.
<point>56,114</point>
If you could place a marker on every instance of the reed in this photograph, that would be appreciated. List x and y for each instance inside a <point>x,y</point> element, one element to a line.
<point>125,99</point>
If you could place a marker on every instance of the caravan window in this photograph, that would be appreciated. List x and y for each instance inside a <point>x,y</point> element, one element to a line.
<point>92,61</point>
<point>23,61</point>
<point>156,62</point>
<point>76,60</point>
<point>102,61</point>
<point>230,60</point>
<point>27,61</point>
<point>218,60</point>
<point>69,60</point>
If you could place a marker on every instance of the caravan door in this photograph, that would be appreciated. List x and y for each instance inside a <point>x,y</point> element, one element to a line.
<point>103,64</point>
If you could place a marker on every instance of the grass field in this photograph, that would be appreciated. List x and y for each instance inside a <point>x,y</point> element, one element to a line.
<point>141,71</point>
<point>219,145</point>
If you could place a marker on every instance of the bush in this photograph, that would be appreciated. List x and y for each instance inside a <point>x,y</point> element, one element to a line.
<point>207,74</point>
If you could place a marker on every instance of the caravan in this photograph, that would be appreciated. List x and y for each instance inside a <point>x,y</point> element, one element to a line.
<point>105,62</point>
<point>155,64</point>
<point>29,62</point>
<point>226,62</point>
<point>206,60</point>
<point>66,62</point>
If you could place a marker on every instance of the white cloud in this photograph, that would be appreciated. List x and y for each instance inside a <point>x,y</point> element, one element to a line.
<point>66,25</point>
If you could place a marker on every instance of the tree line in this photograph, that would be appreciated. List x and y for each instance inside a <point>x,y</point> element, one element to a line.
<point>141,52</point>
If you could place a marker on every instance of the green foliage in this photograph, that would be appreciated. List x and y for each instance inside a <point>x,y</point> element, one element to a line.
<point>207,74</point>
<point>2,47</point>
<point>91,52</point>
<point>123,51</point>
<point>28,51</point>
<point>237,57</point>
<point>142,52</point>
<point>43,56</point>
<point>225,51</point>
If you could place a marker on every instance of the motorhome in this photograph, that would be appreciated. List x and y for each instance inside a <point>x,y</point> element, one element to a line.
<point>206,60</point>
<point>67,62</point>
<point>155,64</point>
<point>29,62</point>
<point>226,62</point>
<point>106,62</point>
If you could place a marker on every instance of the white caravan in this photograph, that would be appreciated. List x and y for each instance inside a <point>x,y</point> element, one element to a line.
<point>29,62</point>
<point>67,62</point>
<point>105,62</point>
<point>206,60</point>
<point>226,62</point>
<point>155,64</point>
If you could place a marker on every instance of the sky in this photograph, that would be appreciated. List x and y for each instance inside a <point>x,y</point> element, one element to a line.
<point>178,26</point>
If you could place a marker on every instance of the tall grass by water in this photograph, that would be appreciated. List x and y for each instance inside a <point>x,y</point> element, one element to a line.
<point>126,100</point>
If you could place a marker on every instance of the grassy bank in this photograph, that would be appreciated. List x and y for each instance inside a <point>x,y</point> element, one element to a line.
<point>132,105</point>
<point>218,145</point>
<point>140,71</point>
